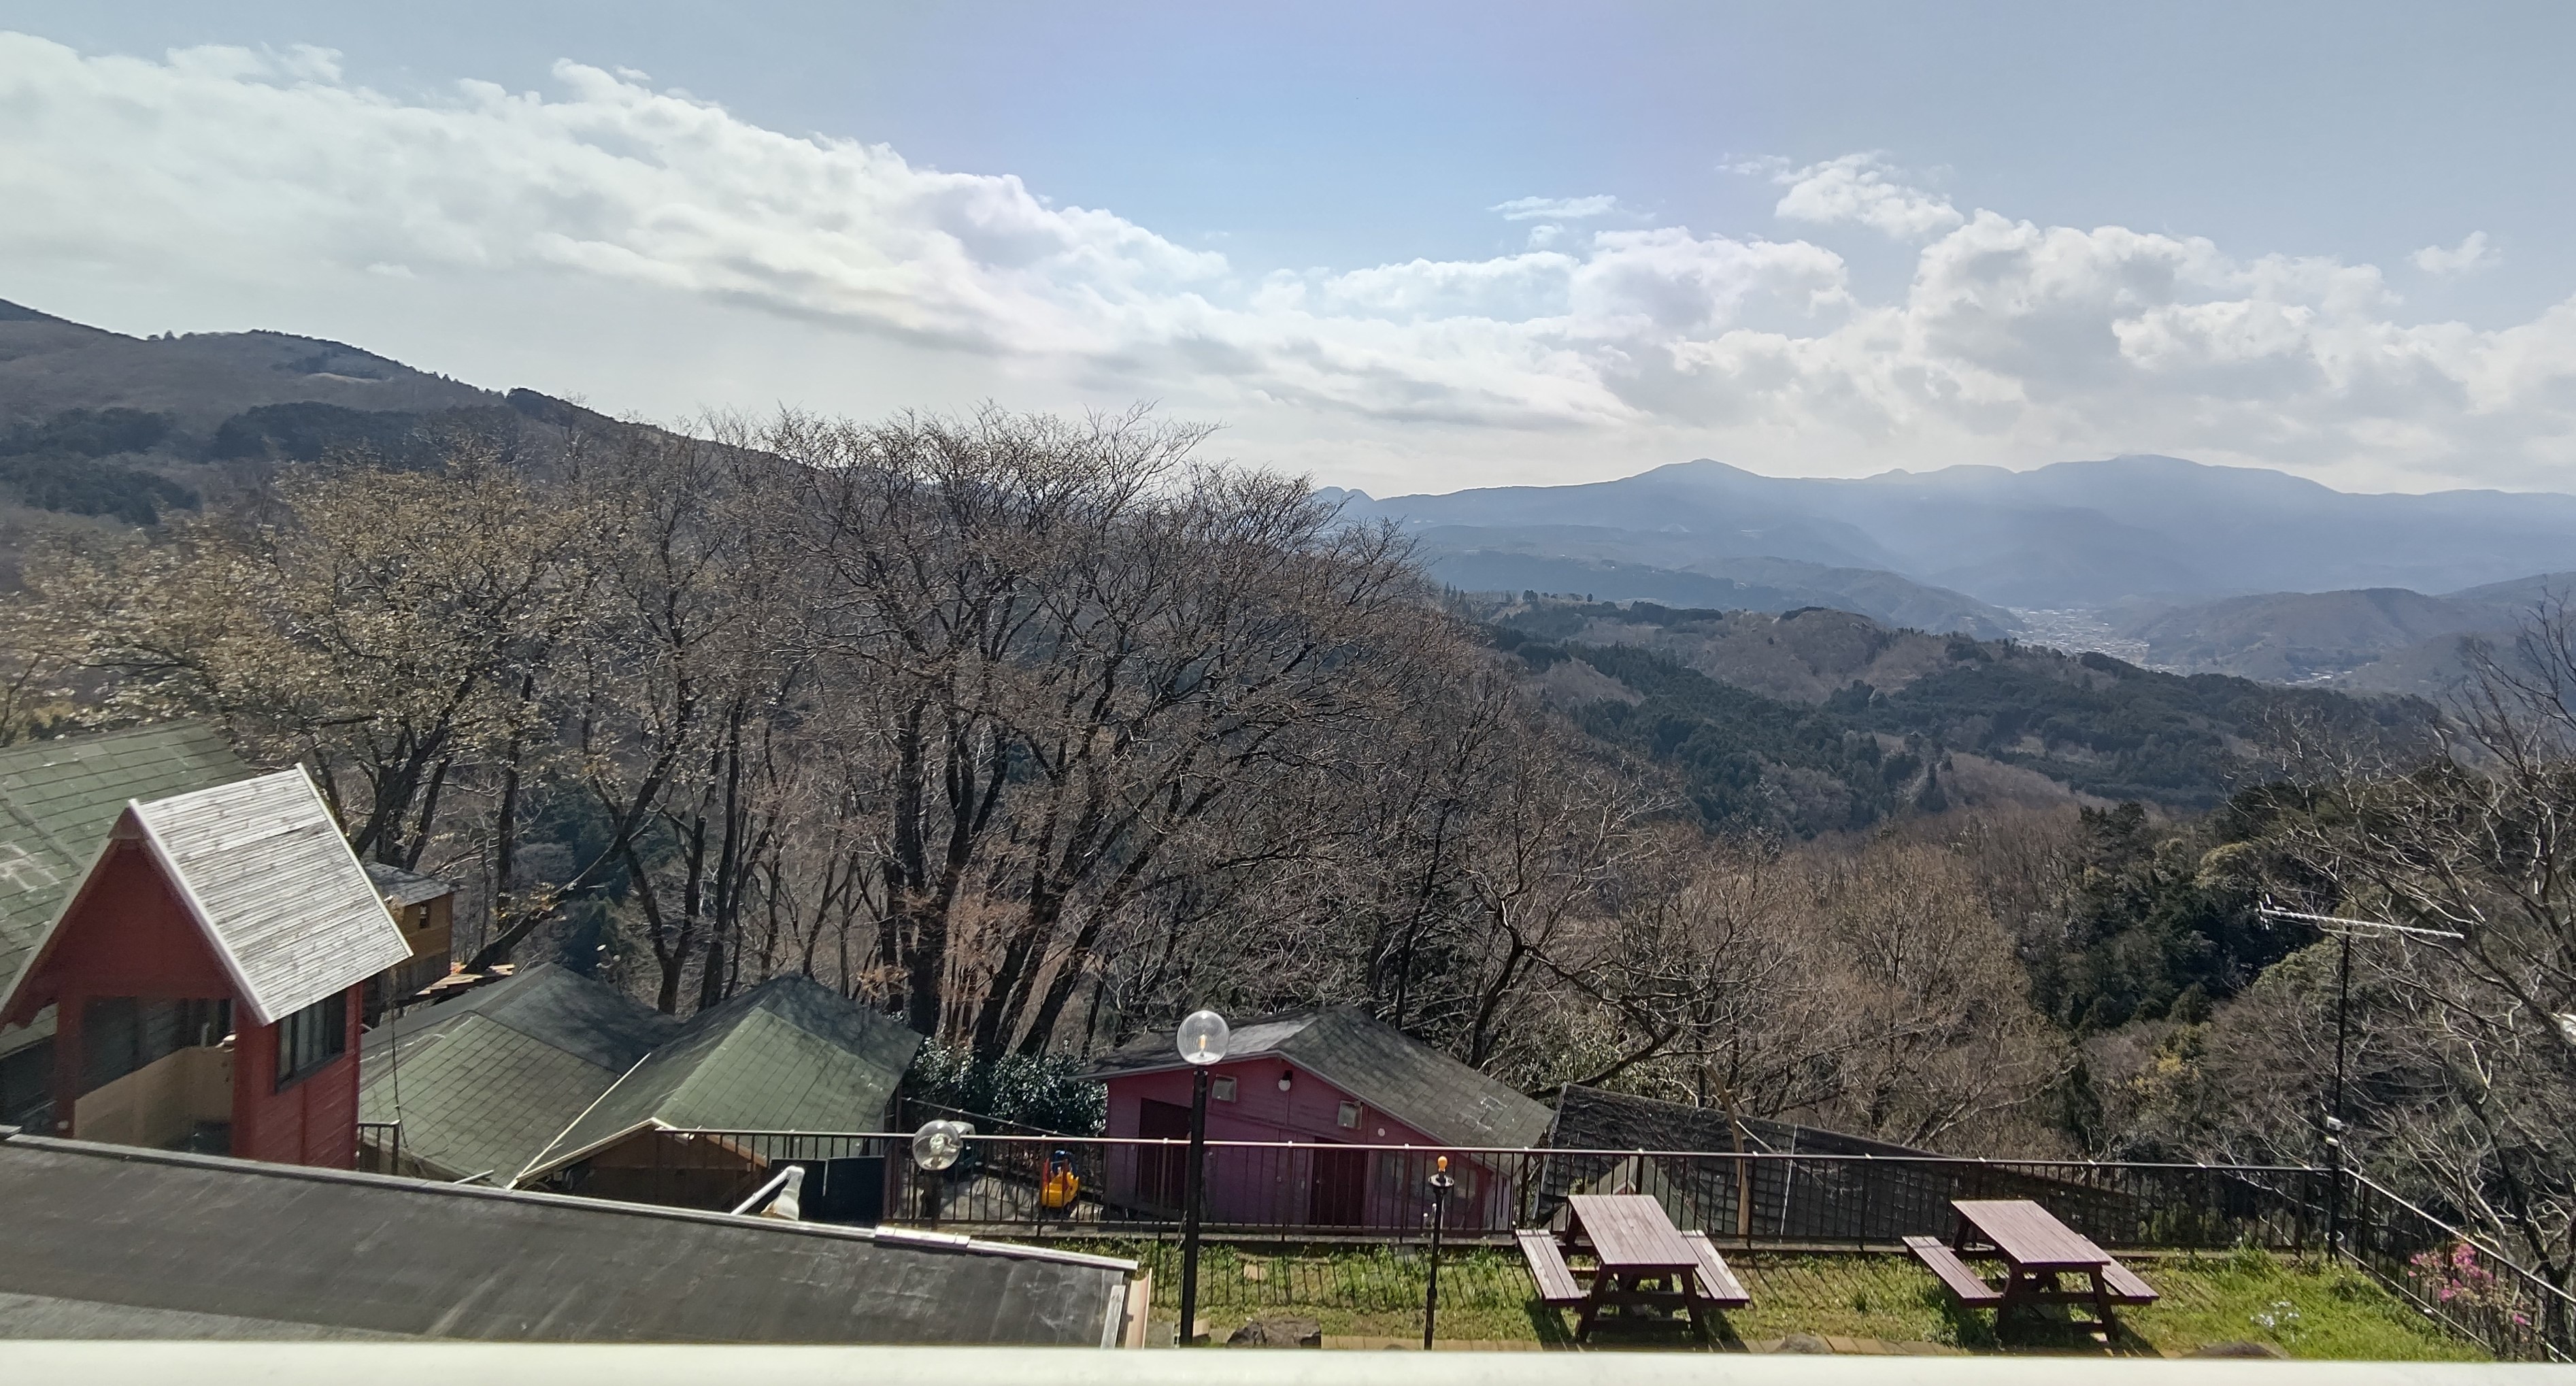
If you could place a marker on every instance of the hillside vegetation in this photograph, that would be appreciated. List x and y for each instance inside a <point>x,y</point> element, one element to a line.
<point>127,431</point>
<point>1820,721</point>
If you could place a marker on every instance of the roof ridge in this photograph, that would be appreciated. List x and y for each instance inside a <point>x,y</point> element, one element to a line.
<point>534,1038</point>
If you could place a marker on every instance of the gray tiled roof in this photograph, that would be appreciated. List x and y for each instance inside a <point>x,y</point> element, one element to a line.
<point>487,1080</point>
<point>59,798</point>
<point>1376,1063</point>
<point>406,887</point>
<point>263,866</point>
<point>104,1240</point>
<point>788,1055</point>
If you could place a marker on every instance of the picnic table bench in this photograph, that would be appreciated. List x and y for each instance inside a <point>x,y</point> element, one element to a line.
<point>1639,1259</point>
<point>2037,1250</point>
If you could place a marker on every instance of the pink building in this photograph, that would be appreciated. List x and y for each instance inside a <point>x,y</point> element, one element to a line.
<point>1369,1108</point>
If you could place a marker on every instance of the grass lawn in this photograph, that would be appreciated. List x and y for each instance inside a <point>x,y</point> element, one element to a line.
<point>2302,1307</point>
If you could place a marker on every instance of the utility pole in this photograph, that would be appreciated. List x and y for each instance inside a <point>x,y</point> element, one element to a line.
<point>2336,1125</point>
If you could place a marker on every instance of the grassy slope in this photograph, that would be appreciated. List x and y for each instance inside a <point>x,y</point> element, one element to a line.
<point>1485,1296</point>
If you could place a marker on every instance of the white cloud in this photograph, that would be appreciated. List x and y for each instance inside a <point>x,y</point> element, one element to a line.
<point>1556,208</point>
<point>2472,253</point>
<point>1862,189</point>
<point>652,250</point>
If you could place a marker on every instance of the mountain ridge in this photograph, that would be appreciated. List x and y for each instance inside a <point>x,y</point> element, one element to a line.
<point>2091,532</point>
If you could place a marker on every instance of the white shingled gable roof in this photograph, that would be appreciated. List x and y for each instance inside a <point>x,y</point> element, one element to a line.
<point>263,866</point>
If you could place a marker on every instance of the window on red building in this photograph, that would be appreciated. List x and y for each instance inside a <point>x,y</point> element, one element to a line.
<point>312,1037</point>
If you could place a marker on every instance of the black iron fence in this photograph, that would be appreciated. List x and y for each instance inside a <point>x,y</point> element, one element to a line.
<point>1036,1187</point>
<point>1055,1185</point>
<point>2455,1279</point>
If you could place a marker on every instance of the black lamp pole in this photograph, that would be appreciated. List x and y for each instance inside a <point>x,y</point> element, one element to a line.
<point>1190,1206</point>
<point>1441,1184</point>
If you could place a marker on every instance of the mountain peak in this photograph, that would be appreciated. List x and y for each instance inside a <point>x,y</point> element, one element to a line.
<point>19,312</point>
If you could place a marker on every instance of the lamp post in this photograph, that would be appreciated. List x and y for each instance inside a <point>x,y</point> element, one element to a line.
<point>1441,1184</point>
<point>1201,1040</point>
<point>935,1147</point>
<point>2343,930</point>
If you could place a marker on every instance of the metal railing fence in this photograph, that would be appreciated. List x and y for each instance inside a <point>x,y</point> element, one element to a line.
<point>1052,1185</point>
<point>1036,1187</point>
<point>2456,1279</point>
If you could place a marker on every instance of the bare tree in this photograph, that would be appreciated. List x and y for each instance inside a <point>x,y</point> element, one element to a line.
<point>2468,1045</point>
<point>381,627</point>
<point>1076,644</point>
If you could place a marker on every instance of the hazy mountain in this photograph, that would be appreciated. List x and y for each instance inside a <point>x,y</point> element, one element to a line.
<point>2290,637</point>
<point>126,430</point>
<point>2520,594</point>
<point>1572,561</point>
<point>48,365</point>
<point>2072,534</point>
<point>2373,640</point>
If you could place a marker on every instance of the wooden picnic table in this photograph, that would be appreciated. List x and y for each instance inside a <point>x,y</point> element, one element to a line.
<point>2037,1250</point>
<point>1639,1258</point>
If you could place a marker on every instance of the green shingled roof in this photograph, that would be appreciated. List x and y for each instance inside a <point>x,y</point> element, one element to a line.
<point>788,1055</point>
<point>59,798</point>
<point>487,1080</point>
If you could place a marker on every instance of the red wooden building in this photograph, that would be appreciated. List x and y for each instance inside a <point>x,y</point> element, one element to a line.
<point>208,975</point>
<point>1336,1082</point>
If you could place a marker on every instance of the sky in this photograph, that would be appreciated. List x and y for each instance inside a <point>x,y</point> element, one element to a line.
<point>1396,247</point>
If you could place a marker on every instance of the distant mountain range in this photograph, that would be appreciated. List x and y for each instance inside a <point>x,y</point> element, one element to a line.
<point>2178,565</point>
<point>1972,539</point>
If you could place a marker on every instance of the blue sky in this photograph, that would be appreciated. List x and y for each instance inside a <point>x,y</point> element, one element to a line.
<point>1402,247</point>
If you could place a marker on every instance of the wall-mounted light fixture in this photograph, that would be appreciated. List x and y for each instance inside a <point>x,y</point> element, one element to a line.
<point>1287,1077</point>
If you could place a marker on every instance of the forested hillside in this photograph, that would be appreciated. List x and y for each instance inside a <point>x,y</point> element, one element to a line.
<point>1888,710</point>
<point>128,431</point>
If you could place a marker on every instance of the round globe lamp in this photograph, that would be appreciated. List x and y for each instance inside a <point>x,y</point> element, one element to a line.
<point>1202,1040</point>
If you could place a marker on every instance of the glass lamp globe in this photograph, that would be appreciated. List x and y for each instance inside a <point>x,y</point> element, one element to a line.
<point>937,1144</point>
<point>1202,1038</point>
